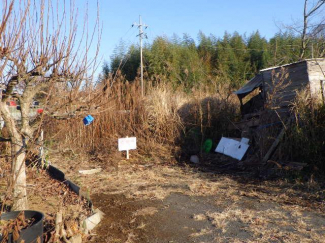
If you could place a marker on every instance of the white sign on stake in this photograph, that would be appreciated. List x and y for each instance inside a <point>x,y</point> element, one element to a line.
<point>126,144</point>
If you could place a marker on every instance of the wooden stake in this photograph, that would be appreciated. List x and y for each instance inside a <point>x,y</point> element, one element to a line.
<point>42,148</point>
<point>127,152</point>
<point>276,142</point>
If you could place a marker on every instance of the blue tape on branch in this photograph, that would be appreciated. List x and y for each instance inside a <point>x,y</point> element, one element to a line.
<point>88,120</point>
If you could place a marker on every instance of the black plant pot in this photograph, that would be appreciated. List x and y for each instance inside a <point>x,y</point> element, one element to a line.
<point>31,233</point>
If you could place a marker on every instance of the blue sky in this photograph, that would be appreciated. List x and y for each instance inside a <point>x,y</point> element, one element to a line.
<point>166,17</point>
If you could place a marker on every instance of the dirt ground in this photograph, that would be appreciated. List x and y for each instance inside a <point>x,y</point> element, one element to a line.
<point>148,202</point>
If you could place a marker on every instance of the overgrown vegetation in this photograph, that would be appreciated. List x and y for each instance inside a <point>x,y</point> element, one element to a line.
<point>166,122</point>
<point>188,89</point>
<point>174,124</point>
<point>304,140</point>
<point>188,100</point>
<point>188,94</point>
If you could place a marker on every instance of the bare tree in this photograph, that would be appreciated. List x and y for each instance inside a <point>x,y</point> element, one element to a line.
<point>41,50</point>
<point>309,12</point>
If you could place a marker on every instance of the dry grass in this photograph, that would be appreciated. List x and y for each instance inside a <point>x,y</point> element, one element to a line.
<point>263,211</point>
<point>167,122</point>
<point>202,232</point>
<point>267,211</point>
<point>171,125</point>
<point>277,223</point>
<point>304,140</point>
<point>199,217</point>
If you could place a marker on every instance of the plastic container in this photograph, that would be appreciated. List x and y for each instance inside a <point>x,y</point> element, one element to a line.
<point>33,232</point>
<point>88,120</point>
<point>207,146</point>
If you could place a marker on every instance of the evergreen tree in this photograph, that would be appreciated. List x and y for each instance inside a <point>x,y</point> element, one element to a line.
<point>206,50</point>
<point>258,49</point>
<point>284,48</point>
<point>239,68</point>
<point>232,59</point>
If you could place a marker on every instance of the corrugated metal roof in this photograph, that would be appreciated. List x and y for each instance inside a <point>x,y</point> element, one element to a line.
<point>288,64</point>
<point>250,86</point>
<point>282,66</point>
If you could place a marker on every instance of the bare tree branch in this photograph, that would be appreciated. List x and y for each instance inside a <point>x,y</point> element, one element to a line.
<point>40,54</point>
<point>308,13</point>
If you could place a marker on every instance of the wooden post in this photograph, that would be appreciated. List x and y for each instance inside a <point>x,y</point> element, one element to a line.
<point>41,149</point>
<point>92,137</point>
<point>276,142</point>
<point>127,152</point>
<point>322,89</point>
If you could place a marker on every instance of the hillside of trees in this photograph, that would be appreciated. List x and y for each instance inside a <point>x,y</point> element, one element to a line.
<point>231,59</point>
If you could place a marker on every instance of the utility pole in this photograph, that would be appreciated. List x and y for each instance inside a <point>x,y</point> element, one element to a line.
<point>141,35</point>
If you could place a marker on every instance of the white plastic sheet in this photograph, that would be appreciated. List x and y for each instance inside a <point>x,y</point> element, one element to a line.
<point>233,148</point>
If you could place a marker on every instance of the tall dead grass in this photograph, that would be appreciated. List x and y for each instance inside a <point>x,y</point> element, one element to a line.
<point>305,138</point>
<point>166,122</point>
<point>304,135</point>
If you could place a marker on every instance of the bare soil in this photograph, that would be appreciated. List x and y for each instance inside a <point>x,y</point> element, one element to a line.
<point>145,201</point>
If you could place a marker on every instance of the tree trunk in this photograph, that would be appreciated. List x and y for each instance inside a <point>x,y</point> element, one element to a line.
<point>304,32</point>
<point>18,170</point>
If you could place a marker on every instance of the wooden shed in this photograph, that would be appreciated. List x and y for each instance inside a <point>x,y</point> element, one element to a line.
<point>278,86</point>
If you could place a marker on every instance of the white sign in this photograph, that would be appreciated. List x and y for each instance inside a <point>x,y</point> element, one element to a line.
<point>233,148</point>
<point>125,144</point>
